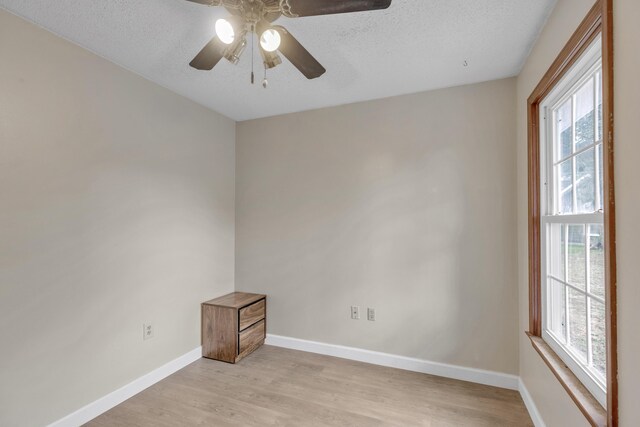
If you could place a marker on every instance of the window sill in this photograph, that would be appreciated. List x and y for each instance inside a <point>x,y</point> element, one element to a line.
<point>588,404</point>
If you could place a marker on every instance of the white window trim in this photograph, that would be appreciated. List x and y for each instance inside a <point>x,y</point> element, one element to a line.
<point>591,59</point>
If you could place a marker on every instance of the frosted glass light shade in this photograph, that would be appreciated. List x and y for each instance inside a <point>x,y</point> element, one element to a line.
<point>224,31</point>
<point>270,40</point>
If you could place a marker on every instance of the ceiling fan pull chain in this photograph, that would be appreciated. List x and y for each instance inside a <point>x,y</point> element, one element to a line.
<point>253,29</point>
<point>265,82</point>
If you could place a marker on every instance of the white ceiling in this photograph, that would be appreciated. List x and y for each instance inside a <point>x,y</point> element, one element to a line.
<point>413,46</point>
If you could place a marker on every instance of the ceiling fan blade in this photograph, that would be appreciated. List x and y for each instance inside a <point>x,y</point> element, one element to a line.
<point>209,56</point>
<point>330,7</point>
<point>298,55</point>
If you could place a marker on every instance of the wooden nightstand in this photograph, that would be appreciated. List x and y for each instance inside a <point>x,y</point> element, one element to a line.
<point>233,326</point>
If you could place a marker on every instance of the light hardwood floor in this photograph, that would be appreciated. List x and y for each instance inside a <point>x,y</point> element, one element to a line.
<point>281,387</point>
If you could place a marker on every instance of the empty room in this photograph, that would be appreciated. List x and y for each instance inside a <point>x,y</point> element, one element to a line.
<point>319,213</point>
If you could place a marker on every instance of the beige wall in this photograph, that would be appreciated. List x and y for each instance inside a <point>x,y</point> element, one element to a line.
<point>116,208</point>
<point>403,204</point>
<point>556,407</point>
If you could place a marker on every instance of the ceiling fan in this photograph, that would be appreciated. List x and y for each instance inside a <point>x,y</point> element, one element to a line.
<point>249,17</point>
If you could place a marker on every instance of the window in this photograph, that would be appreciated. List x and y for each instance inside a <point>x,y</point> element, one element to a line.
<point>572,218</point>
<point>572,251</point>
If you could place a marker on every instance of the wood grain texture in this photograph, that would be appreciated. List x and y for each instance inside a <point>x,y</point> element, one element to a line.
<point>535,309</point>
<point>251,314</point>
<point>219,333</point>
<point>224,318</point>
<point>251,339</point>
<point>236,300</point>
<point>611,276</point>
<point>276,386</point>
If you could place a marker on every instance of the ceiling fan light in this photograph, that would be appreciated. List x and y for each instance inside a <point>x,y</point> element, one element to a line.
<point>224,31</point>
<point>234,51</point>
<point>270,40</point>
<point>270,59</point>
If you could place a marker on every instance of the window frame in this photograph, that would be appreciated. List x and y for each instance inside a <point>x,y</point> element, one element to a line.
<point>586,68</point>
<point>598,22</point>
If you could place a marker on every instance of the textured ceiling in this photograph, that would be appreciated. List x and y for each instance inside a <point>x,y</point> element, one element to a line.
<point>413,46</point>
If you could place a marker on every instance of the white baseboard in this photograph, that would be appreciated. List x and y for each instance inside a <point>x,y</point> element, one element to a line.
<point>530,404</point>
<point>92,410</point>
<point>479,376</point>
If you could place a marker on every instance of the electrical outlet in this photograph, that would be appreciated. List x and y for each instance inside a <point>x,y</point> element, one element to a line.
<point>147,331</point>
<point>355,312</point>
<point>371,314</point>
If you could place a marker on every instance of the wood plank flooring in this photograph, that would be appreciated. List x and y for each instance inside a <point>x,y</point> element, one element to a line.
<point>281,387</point>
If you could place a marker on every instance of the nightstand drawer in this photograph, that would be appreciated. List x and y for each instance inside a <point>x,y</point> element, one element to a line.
<point>251,314</point>
<point>251,338</point>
